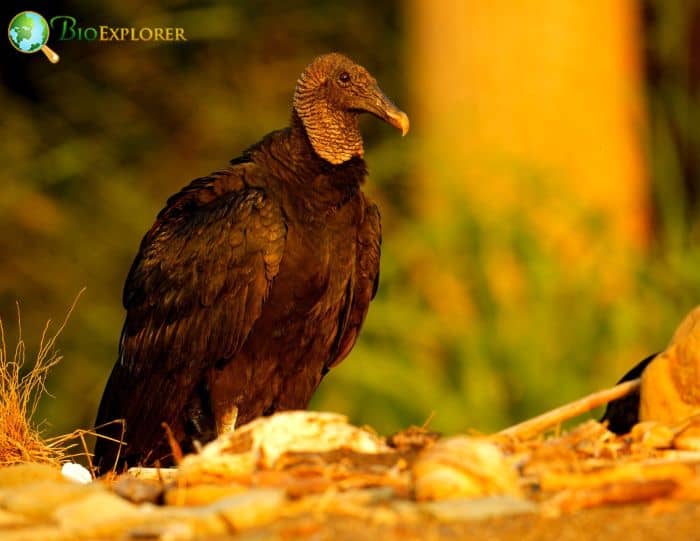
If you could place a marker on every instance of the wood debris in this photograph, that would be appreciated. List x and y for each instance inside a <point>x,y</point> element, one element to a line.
<point>262,474</point>
<point>310,467</point>
<point>585,467</point>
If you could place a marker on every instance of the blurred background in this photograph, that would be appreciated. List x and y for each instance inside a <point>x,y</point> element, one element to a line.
<point>541,227</point>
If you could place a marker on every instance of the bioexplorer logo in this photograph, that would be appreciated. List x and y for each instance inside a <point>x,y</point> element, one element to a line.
<point>29,33</point>
<point>68,29</point>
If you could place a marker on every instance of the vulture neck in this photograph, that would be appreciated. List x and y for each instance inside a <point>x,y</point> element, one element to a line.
<point>334,136</point>
<point>326,187</point>
<point>302,146</point>
<point>291,156</point>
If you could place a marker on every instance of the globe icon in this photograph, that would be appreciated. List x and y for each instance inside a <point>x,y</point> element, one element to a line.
<point>29,32</point>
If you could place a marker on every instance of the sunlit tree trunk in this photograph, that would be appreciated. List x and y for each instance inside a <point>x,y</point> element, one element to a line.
<point>534,109</point>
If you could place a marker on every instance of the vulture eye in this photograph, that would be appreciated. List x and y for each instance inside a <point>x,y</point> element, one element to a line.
<point>344,77</point>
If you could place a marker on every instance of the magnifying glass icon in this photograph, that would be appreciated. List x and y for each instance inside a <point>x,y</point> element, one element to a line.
<point>29,32</point>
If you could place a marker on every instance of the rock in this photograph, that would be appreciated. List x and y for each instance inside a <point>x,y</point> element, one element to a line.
<point>260,443</point>
<point>689,438</point>
<point>21,474</point>
<point>202,494</point>
<point>212,469</point>
<point>480,508</point>
<point>464,467</point>
<point>173,522</point>
<point>101,514</point>
<point>372,505</point>
<point>652,435</point>
<point>253,508</point>
<point>97,507</point>
<point>670,390</point>
<point>12,520</point>
<point>38,499</point>
<point>301,431</point>
<point>256,507</point>
<point>36,533</point>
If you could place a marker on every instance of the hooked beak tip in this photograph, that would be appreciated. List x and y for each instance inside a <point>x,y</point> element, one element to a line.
<point>400,121</point>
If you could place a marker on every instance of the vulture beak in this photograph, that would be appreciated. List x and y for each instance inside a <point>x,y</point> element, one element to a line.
<point>383,108</point>
<point>399,120</point>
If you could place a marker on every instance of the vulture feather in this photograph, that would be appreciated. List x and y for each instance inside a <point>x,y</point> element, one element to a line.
<point>622,414</point>
<point>254,281</point>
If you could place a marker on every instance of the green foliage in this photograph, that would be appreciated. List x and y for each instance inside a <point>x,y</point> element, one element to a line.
<point>94,145</point>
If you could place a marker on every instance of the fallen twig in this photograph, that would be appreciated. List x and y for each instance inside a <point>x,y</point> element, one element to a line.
<point>532,427</point>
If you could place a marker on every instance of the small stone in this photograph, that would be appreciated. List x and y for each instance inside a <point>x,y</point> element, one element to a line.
<point>170,531</point>
<point>138,490</point>
<point>162,475</point>
<point>414,437</point>
<point>76,473</point>
<point>369,496</point>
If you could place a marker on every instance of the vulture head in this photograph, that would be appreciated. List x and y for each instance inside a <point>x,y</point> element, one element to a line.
<point>330,95</point>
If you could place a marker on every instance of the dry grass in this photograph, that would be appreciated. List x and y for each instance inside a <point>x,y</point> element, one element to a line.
<point>20,435</point>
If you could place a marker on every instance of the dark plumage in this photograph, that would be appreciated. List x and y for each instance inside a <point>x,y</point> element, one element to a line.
<point>622,414</point>
<point>253,282</point>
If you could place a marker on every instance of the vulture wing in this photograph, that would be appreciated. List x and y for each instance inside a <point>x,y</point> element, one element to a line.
<point>363,290</point>
<point>192,296</point>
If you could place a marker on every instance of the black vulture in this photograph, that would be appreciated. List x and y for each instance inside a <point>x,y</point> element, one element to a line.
<point>622,414</point>
<point>254,281</point>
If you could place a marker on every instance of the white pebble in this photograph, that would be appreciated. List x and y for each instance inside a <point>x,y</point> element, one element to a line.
<point>76,473</point>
